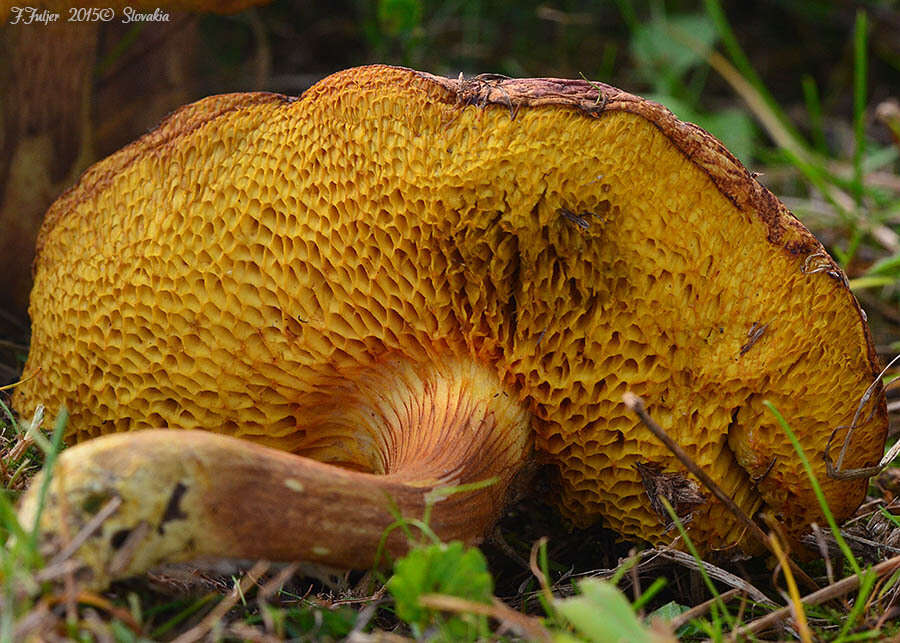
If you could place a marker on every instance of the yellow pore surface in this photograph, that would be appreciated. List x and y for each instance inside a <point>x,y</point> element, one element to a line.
<point>236,268</point>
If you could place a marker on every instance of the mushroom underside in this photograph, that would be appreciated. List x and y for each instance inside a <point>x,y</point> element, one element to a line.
<point>275,269</point>
<point>442,445</point>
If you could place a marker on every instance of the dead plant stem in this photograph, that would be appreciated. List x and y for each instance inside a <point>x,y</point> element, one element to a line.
<point>636,404</point>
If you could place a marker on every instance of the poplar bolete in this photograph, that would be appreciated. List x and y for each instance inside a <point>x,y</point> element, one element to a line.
<point>397,283</point>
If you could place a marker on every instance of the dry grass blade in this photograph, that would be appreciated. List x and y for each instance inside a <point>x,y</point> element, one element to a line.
<point>536,570</point>
<point>636,404</point>
<point>210,620</point>
<point>100,602</point>
<point>35,623</point>
<point>244,632</point>
<point>24,378</point>
<point>277,582</point>
<point>835,590</point>
<point>527,626</point>
<point>685,559</point>
<point>699,610</point>
<point>129,548</point>
<point>271,587</point>
<point>796,603</point>
<point>24,439</point>
<point>377,637</point>
<point>834,469</point>
<point>822,544</point>
<point>86,532</point>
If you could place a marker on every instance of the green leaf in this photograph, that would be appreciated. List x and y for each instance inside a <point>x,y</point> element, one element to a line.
<point>601,613</point>
<point>399,16</point>
<point>669,611</point>
<point>658,53</point>
<point>672,610</point>
<point>450,569</point>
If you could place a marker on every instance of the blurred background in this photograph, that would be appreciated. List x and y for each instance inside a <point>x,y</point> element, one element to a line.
<point>802,91</point>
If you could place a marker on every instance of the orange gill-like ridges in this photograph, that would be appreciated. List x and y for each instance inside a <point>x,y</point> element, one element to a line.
<point>441,443</point>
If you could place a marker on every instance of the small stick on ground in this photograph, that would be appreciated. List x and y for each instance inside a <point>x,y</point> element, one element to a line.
<point>836,590</point>
<point>699,610</point>
<point>636,404</point>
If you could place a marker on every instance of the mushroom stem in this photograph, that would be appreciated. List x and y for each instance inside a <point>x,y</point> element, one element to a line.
<point>192,495</point>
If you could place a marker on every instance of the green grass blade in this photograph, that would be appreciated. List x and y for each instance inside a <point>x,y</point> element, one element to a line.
<point>742,62</point>
<point>59,428</point>
<point>648,594</point>
<point>706,579</point>
<point>860,74</point>
<point>886,267</point>
<point>629,17</point>
<point>814,109</point>
<point>624,568</point>
<point>866,583</point>
<point>861,283</point>
<point>183,615</point>
<point>9,416</point>
<point>9,520</point>
<point>817,489</point>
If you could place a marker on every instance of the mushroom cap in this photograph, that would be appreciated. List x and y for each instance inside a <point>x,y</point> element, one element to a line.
<point>234,269</point>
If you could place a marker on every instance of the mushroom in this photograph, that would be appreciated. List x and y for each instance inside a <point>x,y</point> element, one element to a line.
<point>400,284</point>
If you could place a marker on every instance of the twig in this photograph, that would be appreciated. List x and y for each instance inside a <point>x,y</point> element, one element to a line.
<point>636,404</point>
<point>277,582</point>
<point>699,610</point>
<point>840,588</point>
<point>35,622</point>
<point>243,632</point>
<point>871,543</point>
<point>379,636</point>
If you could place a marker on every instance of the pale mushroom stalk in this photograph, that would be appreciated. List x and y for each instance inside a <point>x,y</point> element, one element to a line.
<point>194,495</point>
